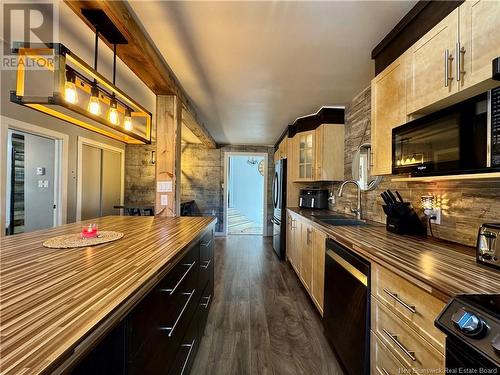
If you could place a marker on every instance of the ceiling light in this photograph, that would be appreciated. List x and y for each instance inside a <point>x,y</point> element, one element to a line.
<point>127,121</point>
<point>94,105</point>
<point>113,112</point>
<point>70,88</point>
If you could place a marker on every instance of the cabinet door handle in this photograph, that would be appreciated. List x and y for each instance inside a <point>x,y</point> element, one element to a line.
<point>385,371</point>
<point>400,301</point>
<point>447,60</point>
<point>206,243</point>
<point>460,57</point>
<point>172,290</point>
<point>172,329</point>
<point>205,266</point>
<point>205,305</point>
<point>394,338</point>
<point>190,346</point>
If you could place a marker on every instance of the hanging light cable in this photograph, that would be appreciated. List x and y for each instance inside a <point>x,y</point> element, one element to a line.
<point>94,105</point>
<point>113,105</point>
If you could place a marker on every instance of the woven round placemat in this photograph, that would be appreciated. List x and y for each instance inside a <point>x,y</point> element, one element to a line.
<point>75,240</point>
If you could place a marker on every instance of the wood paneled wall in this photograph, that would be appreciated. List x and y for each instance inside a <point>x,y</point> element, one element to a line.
<point>465,204</point>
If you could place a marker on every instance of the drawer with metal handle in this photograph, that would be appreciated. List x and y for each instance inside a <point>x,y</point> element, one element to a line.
<point>383,362</point>
<point>405,344</point>
<point>415,306</point>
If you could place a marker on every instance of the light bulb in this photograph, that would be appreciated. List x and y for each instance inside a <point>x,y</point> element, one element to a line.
<point>127,120</point>
<point>70,92</point>
<point>94,105</point>
<point>113,112</point>
<point>398,162</point>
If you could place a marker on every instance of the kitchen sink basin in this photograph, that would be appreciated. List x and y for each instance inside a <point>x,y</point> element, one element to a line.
<point>331,217</point>
<point>342,221</point>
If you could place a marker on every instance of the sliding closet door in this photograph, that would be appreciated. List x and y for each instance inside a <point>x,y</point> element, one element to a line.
<point>91,182</point>
<point>111,182</point>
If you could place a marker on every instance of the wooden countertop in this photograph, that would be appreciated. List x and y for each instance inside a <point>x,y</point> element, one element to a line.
<point>54,302</point>
<point>442,268</point>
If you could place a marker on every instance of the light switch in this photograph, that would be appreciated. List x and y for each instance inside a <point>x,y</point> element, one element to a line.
<point>45,183</point>
<point>40,183</point>
<point>164,200</point>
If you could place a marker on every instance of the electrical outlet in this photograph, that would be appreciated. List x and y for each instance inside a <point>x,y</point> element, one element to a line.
<point>164,200</point>
<point>437,213</point>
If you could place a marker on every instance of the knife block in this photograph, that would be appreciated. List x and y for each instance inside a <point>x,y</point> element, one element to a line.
<point>402,219</point>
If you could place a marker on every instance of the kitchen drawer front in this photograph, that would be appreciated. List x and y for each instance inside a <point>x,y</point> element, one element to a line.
<point>402,298</point>
<point>162,306</point>
<point>383,362</point>
<point>205,304</point>
<point>206,265</point>
<point>408,347</point>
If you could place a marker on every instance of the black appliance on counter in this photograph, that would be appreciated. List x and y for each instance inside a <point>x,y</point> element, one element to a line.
<point>313,197</point>
<point>279,205</point>
<point>401,216</point>
<point>346,315</point>
<point>471,323</point>
<point>463,138</point>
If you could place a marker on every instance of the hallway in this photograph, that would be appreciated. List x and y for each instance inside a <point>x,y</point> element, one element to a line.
<point>261,321</point>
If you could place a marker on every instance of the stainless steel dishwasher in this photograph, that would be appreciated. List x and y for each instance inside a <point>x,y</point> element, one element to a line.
<point>346,316</point>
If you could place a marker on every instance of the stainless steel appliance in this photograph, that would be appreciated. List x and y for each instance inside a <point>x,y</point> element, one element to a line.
<point>346,315</point>
<point>313,198</point>
<point>279,205</point>
<point>488,245</point>
<point>463,138</point>
<point>496,69</point>
<point>471,323</point>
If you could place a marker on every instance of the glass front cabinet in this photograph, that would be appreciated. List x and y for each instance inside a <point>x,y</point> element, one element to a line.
<point>306,156</point>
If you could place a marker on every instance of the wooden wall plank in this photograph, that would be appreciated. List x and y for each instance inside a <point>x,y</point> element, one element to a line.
<point>168,152</point>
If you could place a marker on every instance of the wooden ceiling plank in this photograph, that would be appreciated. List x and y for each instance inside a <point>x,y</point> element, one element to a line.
<point>142,56</point>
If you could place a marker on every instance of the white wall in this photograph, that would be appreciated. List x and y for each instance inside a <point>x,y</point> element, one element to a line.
<point>76,36</point>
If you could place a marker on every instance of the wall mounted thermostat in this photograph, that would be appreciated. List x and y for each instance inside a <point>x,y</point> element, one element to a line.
<point>40,171</point>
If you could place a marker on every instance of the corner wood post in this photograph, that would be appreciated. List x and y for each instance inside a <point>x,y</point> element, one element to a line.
<point>168,155</point>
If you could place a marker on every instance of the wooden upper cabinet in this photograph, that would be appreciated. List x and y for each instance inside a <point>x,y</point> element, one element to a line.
<point>329,158</point>
<point>318,155</point>
<point>479,40</point>
<point>283,148</point>
<point>432,73</point>
<point>305,156</point>
<point>388,111</point>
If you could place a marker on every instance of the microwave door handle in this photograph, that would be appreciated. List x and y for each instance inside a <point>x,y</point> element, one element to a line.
<point>300,202</point>
<point>312,203</point>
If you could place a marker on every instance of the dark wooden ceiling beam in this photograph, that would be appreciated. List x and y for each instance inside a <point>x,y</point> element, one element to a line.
<point>141,55</point>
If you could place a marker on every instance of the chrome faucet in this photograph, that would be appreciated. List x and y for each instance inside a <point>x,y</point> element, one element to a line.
<point>356,210</point>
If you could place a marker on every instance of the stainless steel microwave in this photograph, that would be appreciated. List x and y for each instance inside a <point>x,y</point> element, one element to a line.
<point>463,138</point>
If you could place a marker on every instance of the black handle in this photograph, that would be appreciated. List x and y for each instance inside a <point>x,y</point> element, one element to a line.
<point>399,197</point>
<point>393,198</point>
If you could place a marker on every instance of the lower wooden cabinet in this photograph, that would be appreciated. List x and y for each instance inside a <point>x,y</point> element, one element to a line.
<point>383,361</point>
<point>306,253</point>
<point>162,333</point>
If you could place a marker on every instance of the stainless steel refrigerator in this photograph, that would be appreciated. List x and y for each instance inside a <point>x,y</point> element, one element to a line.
<point>279,204</point>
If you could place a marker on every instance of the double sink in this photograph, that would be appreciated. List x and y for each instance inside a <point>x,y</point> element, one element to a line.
<point>340,220</point>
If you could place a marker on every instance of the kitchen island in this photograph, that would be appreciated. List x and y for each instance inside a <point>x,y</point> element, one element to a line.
<point>57,305</point>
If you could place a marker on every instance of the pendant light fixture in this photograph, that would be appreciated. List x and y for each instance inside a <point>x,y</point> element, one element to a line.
<point>78,93</point>
<point>94,105</point>
<point>70,94</point>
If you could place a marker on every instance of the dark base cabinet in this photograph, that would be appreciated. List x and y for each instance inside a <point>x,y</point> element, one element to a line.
<point>161,335</point>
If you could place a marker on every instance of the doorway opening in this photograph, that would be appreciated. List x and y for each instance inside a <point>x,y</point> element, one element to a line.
<point>31,182</point>
<point>245,198</point>
<point>100,187</point>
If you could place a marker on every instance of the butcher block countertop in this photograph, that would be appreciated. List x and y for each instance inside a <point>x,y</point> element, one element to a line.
<point>56,302</point>
<point>442,268</point>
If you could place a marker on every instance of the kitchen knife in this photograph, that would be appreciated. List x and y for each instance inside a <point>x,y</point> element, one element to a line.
<point>387,202</point>
<point>388,198</point>
<point>399,196</point>
<point>393,198</point>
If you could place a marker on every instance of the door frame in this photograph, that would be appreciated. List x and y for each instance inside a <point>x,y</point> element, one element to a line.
<point>60,171</point>
<point>90,142</point>
<point>228,154</point>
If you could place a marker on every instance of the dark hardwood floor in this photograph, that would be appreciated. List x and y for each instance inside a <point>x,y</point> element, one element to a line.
<point>261,321</point>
